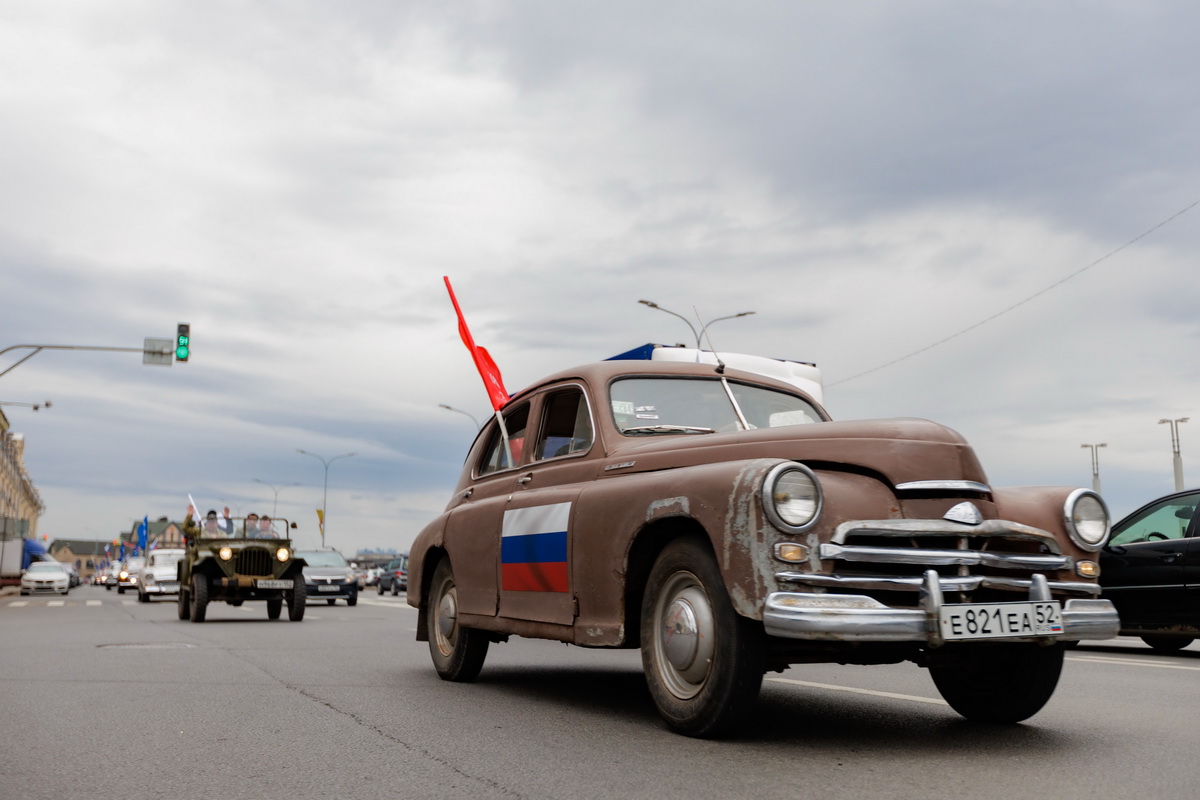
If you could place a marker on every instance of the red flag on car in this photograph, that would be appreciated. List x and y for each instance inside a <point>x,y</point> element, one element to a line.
<point>483,360</point>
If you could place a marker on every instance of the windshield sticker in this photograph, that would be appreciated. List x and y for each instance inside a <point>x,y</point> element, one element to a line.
<point>647,416</point>
<point>622,407</point>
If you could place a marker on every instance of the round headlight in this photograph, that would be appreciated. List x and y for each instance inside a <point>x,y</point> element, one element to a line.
<point>1087,519</point>
<point>282,554</point>
<point>225,553</point>
<point>791,497</point>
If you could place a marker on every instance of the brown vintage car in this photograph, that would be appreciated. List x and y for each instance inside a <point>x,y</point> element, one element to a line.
<point>720,521</point>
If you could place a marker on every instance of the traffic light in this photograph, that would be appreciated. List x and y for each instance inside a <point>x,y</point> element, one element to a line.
<point>183,342</point>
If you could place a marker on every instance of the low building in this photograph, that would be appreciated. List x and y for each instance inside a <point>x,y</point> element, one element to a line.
<point>86,554</point>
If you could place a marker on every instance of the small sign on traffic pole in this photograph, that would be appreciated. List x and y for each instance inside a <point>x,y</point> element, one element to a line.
<point>159,352</point>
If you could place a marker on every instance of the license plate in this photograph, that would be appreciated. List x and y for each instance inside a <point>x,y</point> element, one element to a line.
<point>1000,620</point>
<point>284,584</point>
<point>329,588</point>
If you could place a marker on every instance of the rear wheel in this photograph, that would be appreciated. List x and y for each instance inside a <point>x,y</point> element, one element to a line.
<point>704,663</point>
<point>458,653</point>
<point>1000,683</point>
<point>274,607</point>
<point>199,598</point>
<point>1167,644</point>
<point>296,599</point>
<point>395,588</point>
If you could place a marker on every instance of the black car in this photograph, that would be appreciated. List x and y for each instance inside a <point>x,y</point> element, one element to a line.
<point>394,577</point>
<point>328,577</point>
<point>1150,570</point>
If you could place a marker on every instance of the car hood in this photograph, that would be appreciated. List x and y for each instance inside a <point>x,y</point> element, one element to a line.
<point>900,449</point>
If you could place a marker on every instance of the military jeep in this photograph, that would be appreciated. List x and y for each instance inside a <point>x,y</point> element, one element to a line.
<point>230,564</point>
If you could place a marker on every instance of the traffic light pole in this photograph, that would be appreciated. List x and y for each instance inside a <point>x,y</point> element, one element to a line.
<point>37,348</point>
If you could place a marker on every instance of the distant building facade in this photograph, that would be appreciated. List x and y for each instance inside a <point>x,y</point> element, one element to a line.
<point>20,503</point>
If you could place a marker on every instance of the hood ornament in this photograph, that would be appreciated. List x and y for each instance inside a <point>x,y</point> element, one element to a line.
<point>965,512</point>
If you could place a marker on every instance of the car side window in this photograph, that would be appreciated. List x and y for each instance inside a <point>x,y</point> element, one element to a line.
<point>496,455</point>
<point>1165,520</point>
<point>566,424</point>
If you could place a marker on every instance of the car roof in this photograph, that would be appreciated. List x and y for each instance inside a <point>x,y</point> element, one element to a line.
<point>601,373</point>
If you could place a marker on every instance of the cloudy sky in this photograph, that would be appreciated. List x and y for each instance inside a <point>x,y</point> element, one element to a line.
<point>934,201</point>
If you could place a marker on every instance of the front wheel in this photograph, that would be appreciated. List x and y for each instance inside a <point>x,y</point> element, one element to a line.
<point>704,663</point>
<point>458,653</point>
<point>1002,683</point>
<point>274,607</point>
<point>182,603</point>
<point>1167,644</point>
<point>198,597</point>
<point>296,599</point>
<point>352,599</point>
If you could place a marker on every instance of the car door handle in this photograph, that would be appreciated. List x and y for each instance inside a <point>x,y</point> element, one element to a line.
<point>1169,557</point>
<point>524,479</point>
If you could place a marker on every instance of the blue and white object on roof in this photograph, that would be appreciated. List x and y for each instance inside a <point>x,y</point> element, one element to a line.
<point>802,375</point>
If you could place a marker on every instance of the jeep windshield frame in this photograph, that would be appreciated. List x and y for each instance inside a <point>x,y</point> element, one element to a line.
<point>650,405</point>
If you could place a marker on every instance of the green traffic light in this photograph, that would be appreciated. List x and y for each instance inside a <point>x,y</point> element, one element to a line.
<point>181,352</point>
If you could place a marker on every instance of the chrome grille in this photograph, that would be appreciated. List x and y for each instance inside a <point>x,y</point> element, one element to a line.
<point>992,559</point>
<point>253,561</point>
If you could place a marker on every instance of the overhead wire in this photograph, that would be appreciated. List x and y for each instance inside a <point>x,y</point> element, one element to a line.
<point>1020,303</point>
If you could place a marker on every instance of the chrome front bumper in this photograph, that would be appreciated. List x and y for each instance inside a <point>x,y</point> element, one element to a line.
<point>860,618</point>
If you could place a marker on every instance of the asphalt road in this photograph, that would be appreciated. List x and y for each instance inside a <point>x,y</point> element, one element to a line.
<point>104,697</point>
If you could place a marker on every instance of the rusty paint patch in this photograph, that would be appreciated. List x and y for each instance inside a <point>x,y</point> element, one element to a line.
<point>668,507</point>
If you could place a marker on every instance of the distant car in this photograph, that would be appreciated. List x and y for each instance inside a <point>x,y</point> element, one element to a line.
<point>394,576</point>
<point>73,575</point>
<point>328,577</point>
<point>127,575</point>
<point>372,576</point>
<point>45,577</point>
<point>1150,570</point>
<point>160,576</point>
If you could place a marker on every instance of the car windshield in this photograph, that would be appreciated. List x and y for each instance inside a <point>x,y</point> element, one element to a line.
<point>165,559</point>
<point>318,558</point>
<point>644,406</point>
<point>45,566</point>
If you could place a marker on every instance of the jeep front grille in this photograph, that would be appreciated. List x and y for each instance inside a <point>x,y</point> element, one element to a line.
<point>253,561</point>
<point>990,560</point>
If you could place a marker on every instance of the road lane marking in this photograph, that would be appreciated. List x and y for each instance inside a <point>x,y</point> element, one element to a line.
<point>95,602</point>
<point>384,604</point>
<point>932,700</point>
<point>57,603</point>
<point>18,603</point>
<point>1137,662</point>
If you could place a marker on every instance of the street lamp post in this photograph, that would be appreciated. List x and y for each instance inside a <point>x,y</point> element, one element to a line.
<point>275,505</point>
<point>464,413</point>
<point>325,493</point>
<point>1095,464</point>
<point>1178,459</point>
<point>699,335</point>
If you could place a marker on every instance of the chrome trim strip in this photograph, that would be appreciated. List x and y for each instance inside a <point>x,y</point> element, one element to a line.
<point>948,583</point>
<point>794,615</point>
<point>941,527</point>
<point>937,558</point>
<point>944,485</point>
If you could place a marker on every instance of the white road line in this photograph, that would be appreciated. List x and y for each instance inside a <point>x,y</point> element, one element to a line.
<point>18,603</point>
<point>384,604</point>
<point>95,603</point>
<point>57,603</point>
<point>853,690</point>
<point>1137,662</point>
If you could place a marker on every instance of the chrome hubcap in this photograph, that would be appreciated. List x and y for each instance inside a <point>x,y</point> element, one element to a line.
<point>685,638</point>
<point>447,622</point>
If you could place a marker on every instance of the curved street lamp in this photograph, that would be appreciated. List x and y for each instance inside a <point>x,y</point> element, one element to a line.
<point>699,336</point>
<point>1095,464</point>
<point>325,494</point>
<point>464,413</point>
<point>275,506</point>
<point>1178,459</point>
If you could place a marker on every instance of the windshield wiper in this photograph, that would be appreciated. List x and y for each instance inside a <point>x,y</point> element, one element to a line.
<point>669,429</point>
